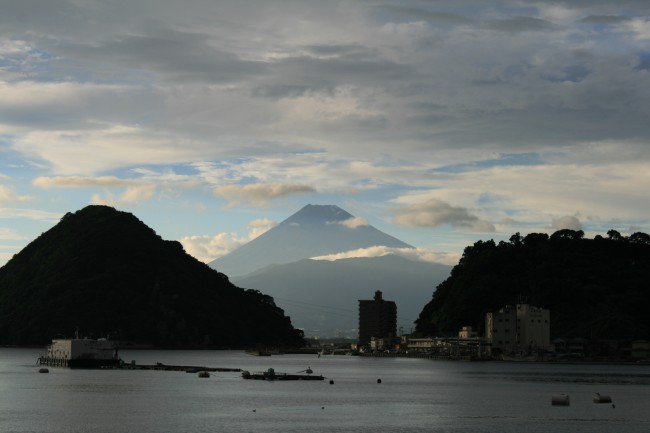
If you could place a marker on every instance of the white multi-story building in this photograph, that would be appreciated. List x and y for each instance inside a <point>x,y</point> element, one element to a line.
<point>522,328</point>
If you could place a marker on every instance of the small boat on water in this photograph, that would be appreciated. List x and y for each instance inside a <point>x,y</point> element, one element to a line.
<point>258,352</point>
<point>270,374</point>
<point>601,398</point>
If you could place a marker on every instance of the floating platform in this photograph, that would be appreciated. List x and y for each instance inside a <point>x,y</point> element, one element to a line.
<point>88,363</point>
<point>185,368</point>
<point>270,374</point>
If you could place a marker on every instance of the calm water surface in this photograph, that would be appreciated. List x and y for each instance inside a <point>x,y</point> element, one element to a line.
<point>414,395</point>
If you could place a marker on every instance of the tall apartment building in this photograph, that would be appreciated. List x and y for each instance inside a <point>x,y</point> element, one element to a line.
<point>519,328</point>
<point>377,318</point>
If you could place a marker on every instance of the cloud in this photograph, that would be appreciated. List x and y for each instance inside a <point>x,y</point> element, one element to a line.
<point>109,146</point>
<point>10,235</point>
<point>136,191</point>
<point>519,24</point>
<point>7,196</point>
<point>435,213</point>
<point>390,103</point>
<point>209,248</point>
<point>182,56</point>
<point>81,182</point>
<point>603,19</point>
<point>133,195</point>
<point>354,223</point>
<point>638,27</point>
<point>381,251</point>
<point>566,222</point>
<point>259,194</point>
<point>33,214</point>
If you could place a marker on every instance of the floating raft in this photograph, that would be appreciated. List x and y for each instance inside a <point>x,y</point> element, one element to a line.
<point>270,374</point>
<point>185,368</point>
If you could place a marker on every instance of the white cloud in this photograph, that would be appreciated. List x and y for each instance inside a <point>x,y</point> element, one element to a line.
<point>354,223</point>
<point>7,196</point>
<point>9,235</point>
<point>133,195</point>
<point>381,251</point>
<point>640,27</point>
<point>209,248</point>
<point>259,194</point>
<point>139,193</point>
<point>90,151</point>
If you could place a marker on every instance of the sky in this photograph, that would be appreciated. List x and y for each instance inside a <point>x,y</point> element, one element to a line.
<point>438,122</point>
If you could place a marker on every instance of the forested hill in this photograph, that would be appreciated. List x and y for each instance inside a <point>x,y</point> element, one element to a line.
<point>594,288</point>
<point>105,272</point>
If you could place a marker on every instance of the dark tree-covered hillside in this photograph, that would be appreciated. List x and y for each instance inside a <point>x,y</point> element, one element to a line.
<point>594,288</point>
<point>105,272</point>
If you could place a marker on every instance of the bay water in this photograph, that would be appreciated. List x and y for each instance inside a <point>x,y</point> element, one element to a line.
<point>414,395</point>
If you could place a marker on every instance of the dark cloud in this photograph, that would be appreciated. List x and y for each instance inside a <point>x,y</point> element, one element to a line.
<point>566,222</point>
<point>174,55</point>
<point>603,19</point>
<point>434,213</point>
<point>418,13</point>
<point>337,50</point>
<point>520,24</point>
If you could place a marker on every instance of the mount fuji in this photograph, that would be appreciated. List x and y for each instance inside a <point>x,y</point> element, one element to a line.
<point>315,230</point>
<point>321,296</point>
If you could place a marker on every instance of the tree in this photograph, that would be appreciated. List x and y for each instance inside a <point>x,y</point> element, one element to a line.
<point>614,235</point>
<point>640,238</point>
<point>567,234</point>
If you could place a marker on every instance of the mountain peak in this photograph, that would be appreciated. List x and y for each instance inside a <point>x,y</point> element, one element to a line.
<point>318,214</point>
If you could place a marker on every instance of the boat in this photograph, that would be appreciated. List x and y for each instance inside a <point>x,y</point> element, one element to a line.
<point>258,352</point>
<point>560,400</point>
<point>601,398</point>
<point>81,353</point>
<point>270,374</point>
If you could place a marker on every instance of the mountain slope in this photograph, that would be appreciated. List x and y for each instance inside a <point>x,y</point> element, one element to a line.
<point>594,288</point>
<point>315,230</point>
<point>104,271</point>
<point>322,296</point>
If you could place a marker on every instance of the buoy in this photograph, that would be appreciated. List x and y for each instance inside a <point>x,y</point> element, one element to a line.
<point>560,400</point>
<point>378,380</point>
<point>331,382</point>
